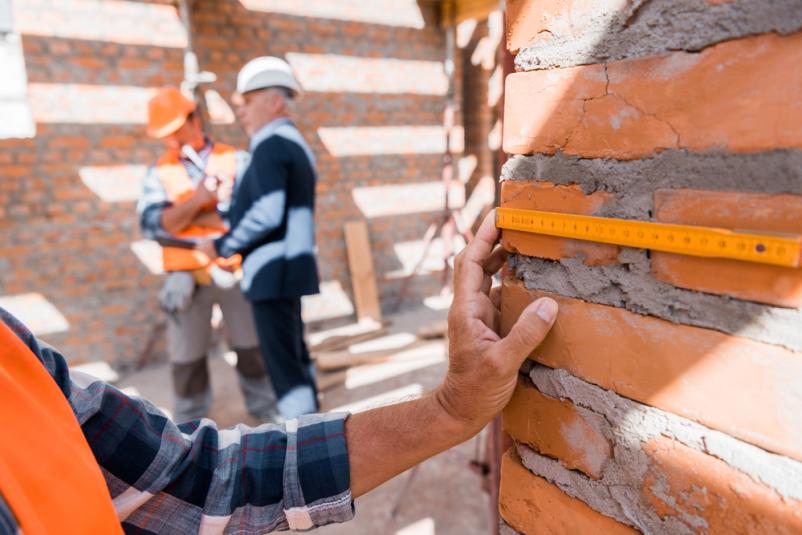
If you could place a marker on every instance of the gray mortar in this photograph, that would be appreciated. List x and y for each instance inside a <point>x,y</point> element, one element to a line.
<point>647,28</point>
<point>634,182</point>
<point>630,284</point>
<point>628,426</point>
<point>506,529</point>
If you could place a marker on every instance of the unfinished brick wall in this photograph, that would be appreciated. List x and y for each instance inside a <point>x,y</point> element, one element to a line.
<point>666,400</point>
<point>72,260</point>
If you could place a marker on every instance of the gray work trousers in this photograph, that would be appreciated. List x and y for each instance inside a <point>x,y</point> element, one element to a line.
<point>188,335</point>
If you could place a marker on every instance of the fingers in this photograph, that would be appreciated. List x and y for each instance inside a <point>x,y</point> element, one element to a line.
<point>484,240</point>
<point>528,332</point>
<point>495,297</point>
<point>495,260</point>
<point>470,267</point>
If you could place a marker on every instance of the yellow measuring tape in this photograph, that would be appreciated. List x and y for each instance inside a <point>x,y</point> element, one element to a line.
<point>778,250</point>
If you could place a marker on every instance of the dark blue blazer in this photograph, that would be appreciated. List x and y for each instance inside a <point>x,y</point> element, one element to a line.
<point>272,217</point>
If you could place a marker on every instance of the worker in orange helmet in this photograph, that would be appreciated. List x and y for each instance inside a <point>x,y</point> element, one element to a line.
<point>185,197</point>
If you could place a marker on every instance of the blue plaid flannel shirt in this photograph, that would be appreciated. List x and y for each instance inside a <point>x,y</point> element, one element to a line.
<point>196,478</point>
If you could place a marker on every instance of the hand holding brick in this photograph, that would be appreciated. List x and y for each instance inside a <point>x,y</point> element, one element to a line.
<point>483,367</point>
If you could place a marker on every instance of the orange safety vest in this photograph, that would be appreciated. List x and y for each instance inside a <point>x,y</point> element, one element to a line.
<point>178,186</point>
<point>48,475</point>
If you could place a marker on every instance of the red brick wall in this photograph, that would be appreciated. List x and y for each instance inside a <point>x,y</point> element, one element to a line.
<point>666,398</point>
<point>67,196</point>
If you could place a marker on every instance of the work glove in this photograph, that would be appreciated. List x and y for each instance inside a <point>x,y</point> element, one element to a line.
<point>176,294</point>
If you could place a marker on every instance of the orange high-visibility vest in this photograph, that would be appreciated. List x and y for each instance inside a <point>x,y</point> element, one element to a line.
<point>178,186</point>
<point>48,475</point>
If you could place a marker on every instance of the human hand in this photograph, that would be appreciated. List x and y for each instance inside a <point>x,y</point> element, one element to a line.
<point>232,264</point>
<point>205,196</point>
<point>206,246</point>
<point>225,188</point>
<point>483,367</point>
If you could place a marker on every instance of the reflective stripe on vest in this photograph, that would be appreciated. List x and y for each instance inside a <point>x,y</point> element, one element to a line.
<point>178,186</point>
<point>48,475</point>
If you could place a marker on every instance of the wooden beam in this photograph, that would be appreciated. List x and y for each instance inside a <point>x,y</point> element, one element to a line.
<point>337,360</point>
<point>334,343</point>
<point>363,279</point>
<point>456,11</point>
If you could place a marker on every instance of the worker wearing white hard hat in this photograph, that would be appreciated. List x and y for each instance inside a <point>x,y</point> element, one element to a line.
<point>272,227</point>
<point>175,207</point>
<point>264,72</point>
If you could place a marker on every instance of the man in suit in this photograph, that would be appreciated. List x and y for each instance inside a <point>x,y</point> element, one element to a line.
<point>272,227</point>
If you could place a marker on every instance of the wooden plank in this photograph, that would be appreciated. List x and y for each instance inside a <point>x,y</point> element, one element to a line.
<point>360,263</point>
<point>326,381</point>
<point>343,341</point>
<point>437,329</point>
<point>475,9</point>
<point>456,11</point>
<point>336,360</point>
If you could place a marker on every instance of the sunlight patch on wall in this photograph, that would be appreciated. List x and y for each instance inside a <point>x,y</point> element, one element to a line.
<point>89,104</point>
<point>14,109</point>
<point>401,199</point>
<point>150,254</point>
<point>36,312</point>
<point>117,21</point>
<point>114,183</point>
<point>404,13</point>
<point>350,74</point>
<point>375,140</point>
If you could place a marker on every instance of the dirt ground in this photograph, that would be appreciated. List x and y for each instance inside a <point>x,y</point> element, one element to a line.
<point>443,496</point>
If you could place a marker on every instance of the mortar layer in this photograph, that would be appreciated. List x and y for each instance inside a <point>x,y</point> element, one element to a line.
<point>630,426</point>
<point>642,28</point>
<point>630,285</point>
<point>635,181</point>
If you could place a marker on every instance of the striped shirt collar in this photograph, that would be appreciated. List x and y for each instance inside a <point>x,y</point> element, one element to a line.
<point>267,130</point>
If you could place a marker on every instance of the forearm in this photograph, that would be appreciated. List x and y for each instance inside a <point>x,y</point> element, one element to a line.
<point>263,217</point>
<point>177,217</point>
<point>386,441</point>
<point>208,219</point>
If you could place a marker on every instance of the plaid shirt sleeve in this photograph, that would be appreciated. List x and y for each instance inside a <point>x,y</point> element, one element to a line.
<point>195,477</point>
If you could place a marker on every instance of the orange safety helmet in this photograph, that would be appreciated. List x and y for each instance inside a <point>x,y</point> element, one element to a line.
<point>168,111</point>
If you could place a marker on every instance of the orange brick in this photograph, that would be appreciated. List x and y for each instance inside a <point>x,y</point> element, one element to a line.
<point>741,387</point>
<point>541,195</point>
<point>532,505</point>
<point>714,99</point>
<point>555,428</point>
<point>732,210</point>
<point>685,482</point>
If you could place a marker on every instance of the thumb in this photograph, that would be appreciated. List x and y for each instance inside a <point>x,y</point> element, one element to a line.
<point>529,330</point>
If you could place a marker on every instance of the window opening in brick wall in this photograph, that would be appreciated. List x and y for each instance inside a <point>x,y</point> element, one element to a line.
<point>14,109</point>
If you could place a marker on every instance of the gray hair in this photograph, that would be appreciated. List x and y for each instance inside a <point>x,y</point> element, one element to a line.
<point>288,96</point>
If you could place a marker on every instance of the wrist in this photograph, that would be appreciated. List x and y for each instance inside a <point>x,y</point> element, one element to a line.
<point>459,422</point>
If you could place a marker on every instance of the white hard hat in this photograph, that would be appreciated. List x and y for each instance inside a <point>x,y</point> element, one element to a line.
<point>264,72</point>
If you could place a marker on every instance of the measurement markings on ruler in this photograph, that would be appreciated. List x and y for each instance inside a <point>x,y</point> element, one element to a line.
<point>779,250</point>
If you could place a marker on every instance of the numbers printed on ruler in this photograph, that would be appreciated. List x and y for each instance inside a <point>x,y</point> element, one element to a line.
<point>681,239</point>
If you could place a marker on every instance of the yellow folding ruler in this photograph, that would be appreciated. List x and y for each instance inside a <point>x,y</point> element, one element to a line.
<point>775,249</point>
